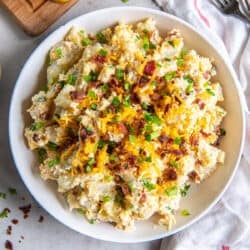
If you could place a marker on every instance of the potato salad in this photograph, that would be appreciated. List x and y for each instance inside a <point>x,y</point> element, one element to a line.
<point>127,120</point>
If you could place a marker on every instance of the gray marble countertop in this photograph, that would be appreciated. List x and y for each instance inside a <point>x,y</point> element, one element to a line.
<point>29,233</point>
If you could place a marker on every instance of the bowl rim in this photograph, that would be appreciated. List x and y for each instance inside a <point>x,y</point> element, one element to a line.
<point>241,102</point>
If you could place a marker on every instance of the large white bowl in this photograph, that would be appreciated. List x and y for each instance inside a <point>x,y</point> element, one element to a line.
<point>200,198</point>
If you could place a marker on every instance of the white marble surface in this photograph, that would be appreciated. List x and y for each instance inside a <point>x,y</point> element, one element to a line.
<point>15,47</point>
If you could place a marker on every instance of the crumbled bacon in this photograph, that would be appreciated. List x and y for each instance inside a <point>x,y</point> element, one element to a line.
<point>143,198</point>
<point>132,160</point>
<point>163,138</point>
<point>200,103</point>
<point>135,98</point>
<point>170,174</point>
<point>143,81</point>
<point>194,176</point>
<point>77,95</point>
<point>194,140</point>
<point>125,189</point>
<point>155,97</point>
<point>122,127</point>
<point>167,107</point>
<point>113,83</point>
<point>149,68</point>
<point>205,134</point>
<point>100,59</point>
<point>207,74</point>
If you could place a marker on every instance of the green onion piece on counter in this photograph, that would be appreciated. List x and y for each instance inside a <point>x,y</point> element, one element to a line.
<point>185,212</point>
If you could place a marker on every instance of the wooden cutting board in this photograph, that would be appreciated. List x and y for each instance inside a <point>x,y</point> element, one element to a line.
<point>35,16</point>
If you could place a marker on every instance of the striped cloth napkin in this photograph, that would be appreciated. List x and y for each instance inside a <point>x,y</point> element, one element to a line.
<point>226,226</point>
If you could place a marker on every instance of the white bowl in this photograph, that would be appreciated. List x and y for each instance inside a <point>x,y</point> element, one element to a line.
<point>201,197</point>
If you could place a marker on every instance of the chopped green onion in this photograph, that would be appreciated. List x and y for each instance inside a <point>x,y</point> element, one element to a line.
<point>71,79</point>
<point>116,102</point>
<point>189,88</point>
<point>177,140</point>
<point>53,162</point>
<point>145,31</point>
<point>144,105</point>
<point>145,43</point>
<point>81,211</point>
<point>113,158</point>
<point>101,37</point>
<point>152,45</point>
<point>148,159</point>
<point>41,99</point>
<point>104,87</point>
<point>185,212</point>
<point>91,77</point>
<point>125,1</point>
<point>36,126</point>
<point>130,185</point>
<point>2,195</point>
<point>167,59</point>
<point>92,94</point>
<point>127,101</point>
<point>184,190</point>
<point>210,92</point>
<point>171,191</point>
<point>158,65</point>
<point>171,43</point>
<point>127,85</point>
<point>92,221</point>
<point>102,52</point>
<point>89,165</point>
<point>79,119</point>
<point>106,198</point>
<point>89,129</point>
<point>132,138</point>
<point>59,52</point>
<point>52,146</point>
<point>93,106</point>
<point>153,83</point>
<point>169,76</point>
<point>4,213</point>
<point>119,73</point>
<point>86,41</point>
<point>222,132</point>
<point>148,185</point>
<point>12,191</point>
<point>42,154</point>
<point>152,118</point>
<point>179,62</point>
<point>137,38</point>
<point>174,164</point>
<point>188,78</point>
<point>152,136</point>
<point>101,143</point>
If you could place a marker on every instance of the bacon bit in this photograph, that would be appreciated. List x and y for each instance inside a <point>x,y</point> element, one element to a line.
<point>143,81</point>
<point>155,97</point>
<point>125,189</point>
<point>83,133</point>
<point>170,174</point>
<point>94,84</point>
<point>122,127</point>
<point>14,221</point>
<point>117,178</point>
<point>41,218</point>
<point>9,229</point>
<point>77,95</point>
<point>143,198</point>
<point>100,59</point>
<point>198,162</point>
<point>8,245</point>
<point>163,138</point>
<point>225,248</point>
<point>25,210</point>
<point>194,176</point>
<point>177,100</point>
<point>149,68</point>
<point>135,98</point>
<point>132,160</point>
<point>139,126</point>
<point>202,105</point>
<point>159,181</point>
<point>177,152</point>
<point>207,74</point>
<point>35,138</point>
<point>194,140</point>
<point>44,116</point>
<point>113,83</point>
<point>205,134</point>
<point>167,107</point>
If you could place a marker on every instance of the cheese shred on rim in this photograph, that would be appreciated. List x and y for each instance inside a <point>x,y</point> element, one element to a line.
<point>127,121</point>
